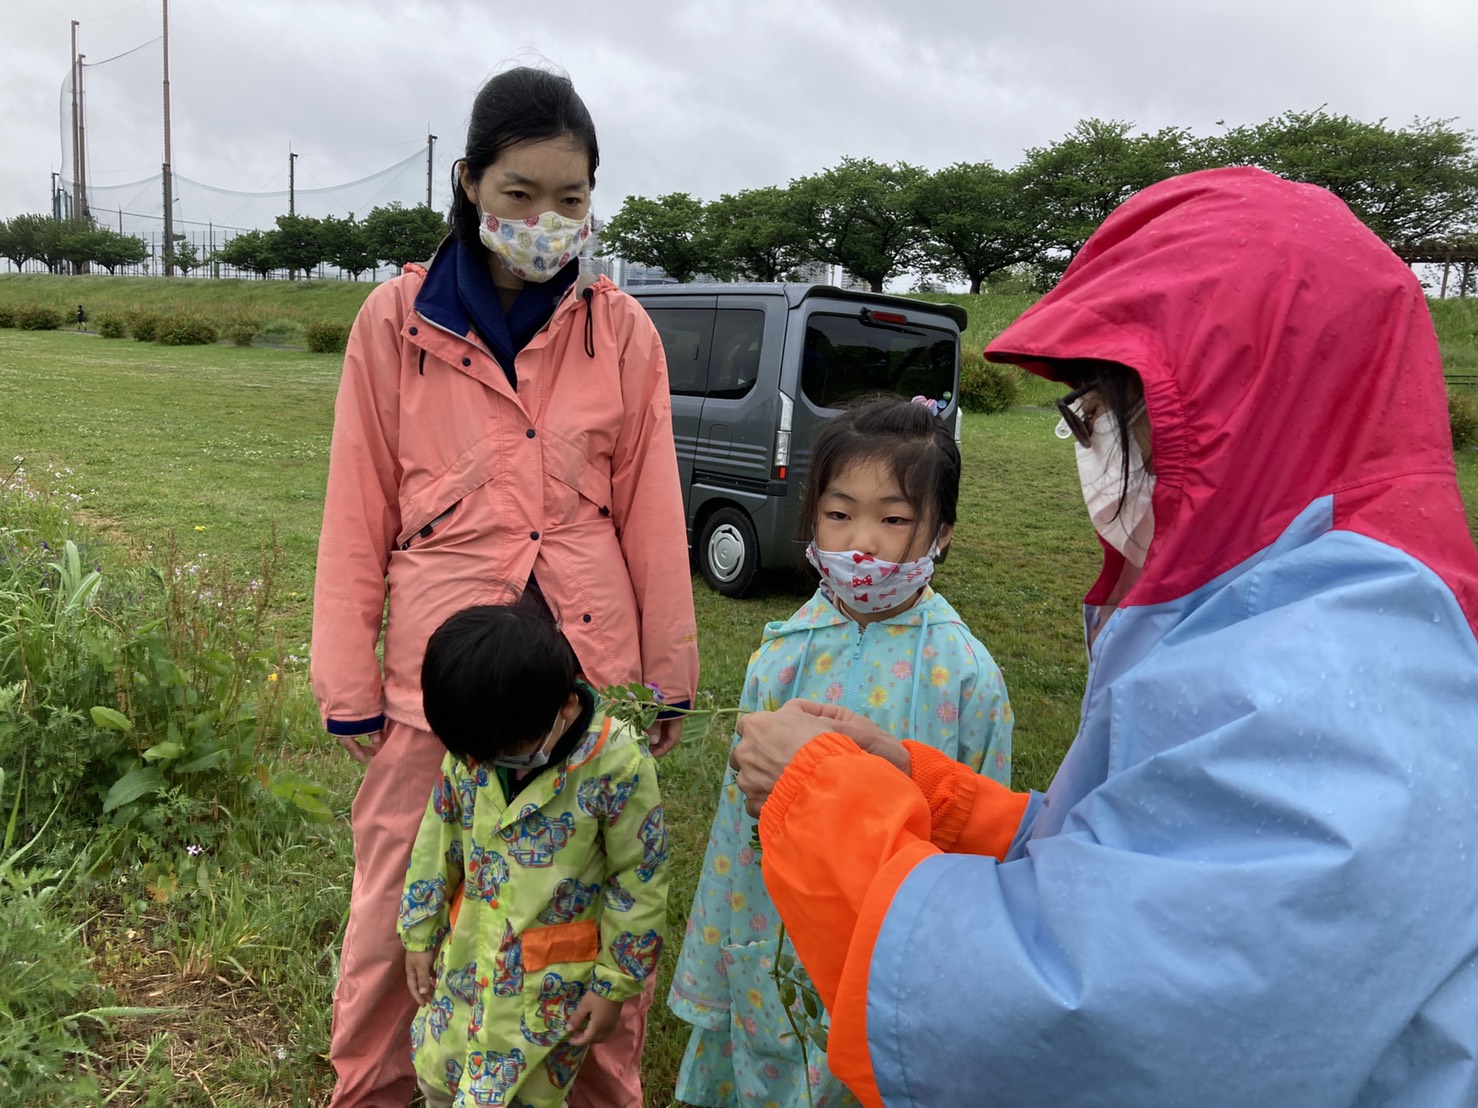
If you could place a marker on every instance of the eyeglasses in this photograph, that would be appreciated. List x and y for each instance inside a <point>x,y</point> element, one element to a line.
<point>1081,429</point>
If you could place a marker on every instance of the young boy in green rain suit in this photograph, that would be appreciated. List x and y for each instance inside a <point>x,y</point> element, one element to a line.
<point>536,895</point>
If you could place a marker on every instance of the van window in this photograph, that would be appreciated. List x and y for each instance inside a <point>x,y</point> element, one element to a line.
<point>846,357</point>
<point>685,334</point>
<point>735,362</point>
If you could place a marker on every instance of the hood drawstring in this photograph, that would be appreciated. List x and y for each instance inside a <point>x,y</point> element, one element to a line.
<point>589,295</point>
<point>918,677</point>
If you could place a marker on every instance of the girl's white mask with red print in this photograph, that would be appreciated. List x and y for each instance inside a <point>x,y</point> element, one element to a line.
<point>869,585</point>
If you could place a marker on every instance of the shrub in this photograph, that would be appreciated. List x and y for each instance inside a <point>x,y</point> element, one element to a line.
<point>1462,410</point>
<point>7,315</point>
<point>985,386</point>
<point>281,332</point>
<point>38,317</point>
<point>242,331</point>
<point>326,338</point>
<point>187,330</point>
<point>143,326</point>
<point>138,702</point>
<point>112,325</point>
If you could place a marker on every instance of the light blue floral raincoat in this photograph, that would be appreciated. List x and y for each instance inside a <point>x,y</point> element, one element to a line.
<point>920,675</point>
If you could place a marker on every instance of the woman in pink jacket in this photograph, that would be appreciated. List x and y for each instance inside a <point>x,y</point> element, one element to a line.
<point>502,419</point>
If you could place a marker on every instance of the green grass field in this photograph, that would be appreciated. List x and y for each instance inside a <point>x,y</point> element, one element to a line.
<point>221,449</point>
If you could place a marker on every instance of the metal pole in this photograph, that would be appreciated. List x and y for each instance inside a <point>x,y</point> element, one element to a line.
<point>292,181</point>
<point>166,172</point>
<point>430,153</point>
<point>56,196</point>
<point>76,146</point>
<point>82,212</point>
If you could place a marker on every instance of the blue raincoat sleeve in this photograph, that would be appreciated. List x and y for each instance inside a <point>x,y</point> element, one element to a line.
<point>1238,890</point>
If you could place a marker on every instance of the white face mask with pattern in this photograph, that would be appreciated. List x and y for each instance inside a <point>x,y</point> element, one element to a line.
<point>1126,521</point>
<point>870,585</point>
<point>534,249</point>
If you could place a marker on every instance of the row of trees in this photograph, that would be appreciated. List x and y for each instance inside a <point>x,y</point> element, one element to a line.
<point>972,221</point>
<point>392,234</point>
<point>73,242</point>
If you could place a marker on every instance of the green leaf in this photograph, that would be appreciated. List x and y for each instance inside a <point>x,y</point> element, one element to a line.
<point>164,751</point>
<point>110,719</point>
<point>131,786</point>
<point>310,805</point>
<point>102,1015</point>
<point>211,760</point>
<point>216,663</point>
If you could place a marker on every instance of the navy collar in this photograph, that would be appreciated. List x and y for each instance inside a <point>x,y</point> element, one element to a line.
<point>458,295</point>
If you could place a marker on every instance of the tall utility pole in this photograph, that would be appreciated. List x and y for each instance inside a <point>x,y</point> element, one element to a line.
<point>292,181</point>
<point>168,173</point>
<point>80,211</point>
<point>76,145</point>
<point>430,153</point>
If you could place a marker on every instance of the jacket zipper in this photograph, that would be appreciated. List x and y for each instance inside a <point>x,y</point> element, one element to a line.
<point>427,531</point>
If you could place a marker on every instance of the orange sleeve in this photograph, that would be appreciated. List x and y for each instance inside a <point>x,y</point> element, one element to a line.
<point>839,834</point>
<point>968,812</point>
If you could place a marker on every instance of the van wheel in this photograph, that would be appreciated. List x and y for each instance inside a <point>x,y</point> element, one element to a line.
<point>728,552</point>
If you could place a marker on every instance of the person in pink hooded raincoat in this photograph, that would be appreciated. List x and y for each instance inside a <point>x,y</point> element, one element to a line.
<point>503,421</point>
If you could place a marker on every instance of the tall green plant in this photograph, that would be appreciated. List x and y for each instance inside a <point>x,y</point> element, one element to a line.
<point>142,701</point>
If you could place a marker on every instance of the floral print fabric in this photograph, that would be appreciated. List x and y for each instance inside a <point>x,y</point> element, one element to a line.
<point>920,675</point>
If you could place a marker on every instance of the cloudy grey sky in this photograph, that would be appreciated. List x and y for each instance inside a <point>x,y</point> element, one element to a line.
<point>702,97</point>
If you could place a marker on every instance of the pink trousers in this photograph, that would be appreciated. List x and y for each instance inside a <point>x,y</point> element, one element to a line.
<point>371,1050</point>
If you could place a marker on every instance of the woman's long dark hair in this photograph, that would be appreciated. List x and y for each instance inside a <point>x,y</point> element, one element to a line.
<point>519,105</point>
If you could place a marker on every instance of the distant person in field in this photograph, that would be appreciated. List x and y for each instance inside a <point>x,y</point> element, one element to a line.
<point>1254,878</point>
<point>536,898</point>
<point>875,639</point>
<point>503,416</point>
<point>81,318</point>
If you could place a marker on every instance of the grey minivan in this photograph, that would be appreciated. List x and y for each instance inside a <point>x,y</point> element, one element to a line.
<point>754,371</point>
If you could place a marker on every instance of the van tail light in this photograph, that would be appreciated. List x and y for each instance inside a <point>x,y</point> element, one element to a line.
<point>887,317</point>
<point>782,438</point>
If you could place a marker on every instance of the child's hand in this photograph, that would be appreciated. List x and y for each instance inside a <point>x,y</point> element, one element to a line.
<point>418,965</point>
<point>597,1016</point>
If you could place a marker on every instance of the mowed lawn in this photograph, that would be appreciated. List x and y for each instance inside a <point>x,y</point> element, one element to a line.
<point>224,451</point>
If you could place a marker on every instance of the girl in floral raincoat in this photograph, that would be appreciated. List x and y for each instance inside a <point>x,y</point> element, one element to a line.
<point>876,639</point>
<point>536,894</point>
